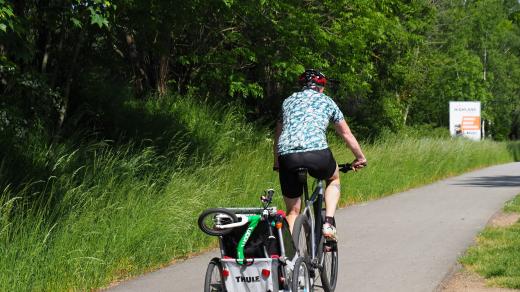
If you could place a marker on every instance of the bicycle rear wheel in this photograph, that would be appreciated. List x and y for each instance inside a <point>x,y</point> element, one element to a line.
<point>301,236</point>
<point>214,281</point>
<point>301,280</point>
<point>328,259</point>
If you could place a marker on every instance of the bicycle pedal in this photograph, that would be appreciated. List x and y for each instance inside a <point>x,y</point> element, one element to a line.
<point>315,263</point>
<point>330,246</point>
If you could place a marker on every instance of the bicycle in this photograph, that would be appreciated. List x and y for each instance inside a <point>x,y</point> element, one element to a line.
<point>307,234</point>
<point>269,262</point>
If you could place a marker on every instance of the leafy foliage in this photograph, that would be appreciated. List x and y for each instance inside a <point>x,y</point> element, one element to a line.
<point>394,63</point>
<point>174,82</point>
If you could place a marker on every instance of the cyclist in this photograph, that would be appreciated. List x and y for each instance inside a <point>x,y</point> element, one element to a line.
<point>300,141</point>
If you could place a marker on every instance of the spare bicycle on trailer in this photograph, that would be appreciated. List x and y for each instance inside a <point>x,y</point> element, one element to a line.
<point>257,250</point>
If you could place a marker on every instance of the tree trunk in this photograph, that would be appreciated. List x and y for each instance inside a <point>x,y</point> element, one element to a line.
<point>46,49</point>
<point>57,68</point>
<point>19,8</point>
<point>139,77</point>
<point>69,79</point>
<point>485,64</point>
<point>163,72</point>
<point>42,38</point>
<point>406,112</point>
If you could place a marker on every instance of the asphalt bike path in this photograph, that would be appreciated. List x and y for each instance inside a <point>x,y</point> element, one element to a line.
<point>407,242</point>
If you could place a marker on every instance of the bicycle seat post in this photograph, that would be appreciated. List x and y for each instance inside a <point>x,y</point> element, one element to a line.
<point>302,177</point>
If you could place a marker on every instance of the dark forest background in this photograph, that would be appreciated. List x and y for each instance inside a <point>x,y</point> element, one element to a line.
<point>69,66</point>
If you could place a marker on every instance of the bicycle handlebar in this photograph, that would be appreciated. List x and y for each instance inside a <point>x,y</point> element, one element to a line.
<point>243,221</point>
<point>345,167</point>
<point>267,198</point>
<point>342,167</point>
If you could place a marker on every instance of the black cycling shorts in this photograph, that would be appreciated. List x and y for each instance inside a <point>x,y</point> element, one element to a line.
<point>320,164</point>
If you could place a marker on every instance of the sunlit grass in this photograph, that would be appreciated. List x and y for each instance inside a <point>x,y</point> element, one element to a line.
<point>395,165</point>
<point>106,212</point>
<point>496,255</point>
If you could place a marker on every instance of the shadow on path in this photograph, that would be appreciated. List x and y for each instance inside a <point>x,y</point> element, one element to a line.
<point>493,181</point>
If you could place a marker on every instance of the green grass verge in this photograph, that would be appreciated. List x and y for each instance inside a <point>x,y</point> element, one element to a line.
<point>496,256</point>
<point>105,212</point>
<point>396,165</point>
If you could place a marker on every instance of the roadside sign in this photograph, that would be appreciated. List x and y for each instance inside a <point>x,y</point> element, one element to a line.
<point>465,119</point>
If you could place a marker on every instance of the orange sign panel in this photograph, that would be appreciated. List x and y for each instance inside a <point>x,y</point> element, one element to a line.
<point>470,123</point>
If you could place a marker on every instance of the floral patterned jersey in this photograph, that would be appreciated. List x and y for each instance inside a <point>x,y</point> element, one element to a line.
<point>305,117</point>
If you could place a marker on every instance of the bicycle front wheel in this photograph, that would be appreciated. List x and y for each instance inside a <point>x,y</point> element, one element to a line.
<point>214,281</point>
<point>328,259</point>
<point>301,236</point>
<point>211,218</point>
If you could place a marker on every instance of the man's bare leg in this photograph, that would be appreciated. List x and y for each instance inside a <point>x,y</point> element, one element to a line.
<point>293,206</point>
<point>332,194</point>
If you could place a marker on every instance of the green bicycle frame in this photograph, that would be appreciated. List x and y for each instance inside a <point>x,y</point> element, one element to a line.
<point>253,221</point>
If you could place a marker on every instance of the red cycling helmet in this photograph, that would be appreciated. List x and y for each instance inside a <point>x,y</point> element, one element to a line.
<point>312,77</point>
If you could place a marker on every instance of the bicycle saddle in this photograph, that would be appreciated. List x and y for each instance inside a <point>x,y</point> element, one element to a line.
<point>302,174</point>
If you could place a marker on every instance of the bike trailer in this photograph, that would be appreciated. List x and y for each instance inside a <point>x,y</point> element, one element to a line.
<point>254,275</point>
<point>257,251</point>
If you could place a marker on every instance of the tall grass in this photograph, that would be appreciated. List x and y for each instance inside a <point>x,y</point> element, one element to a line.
<point>398,164</point>
<point>108,211</point>
<point>496,255</point>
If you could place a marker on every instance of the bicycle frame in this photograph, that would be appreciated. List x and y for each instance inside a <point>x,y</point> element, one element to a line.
<point>312,209</point>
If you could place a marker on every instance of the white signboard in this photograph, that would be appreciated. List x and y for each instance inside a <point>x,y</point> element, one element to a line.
<point>465,119</point>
